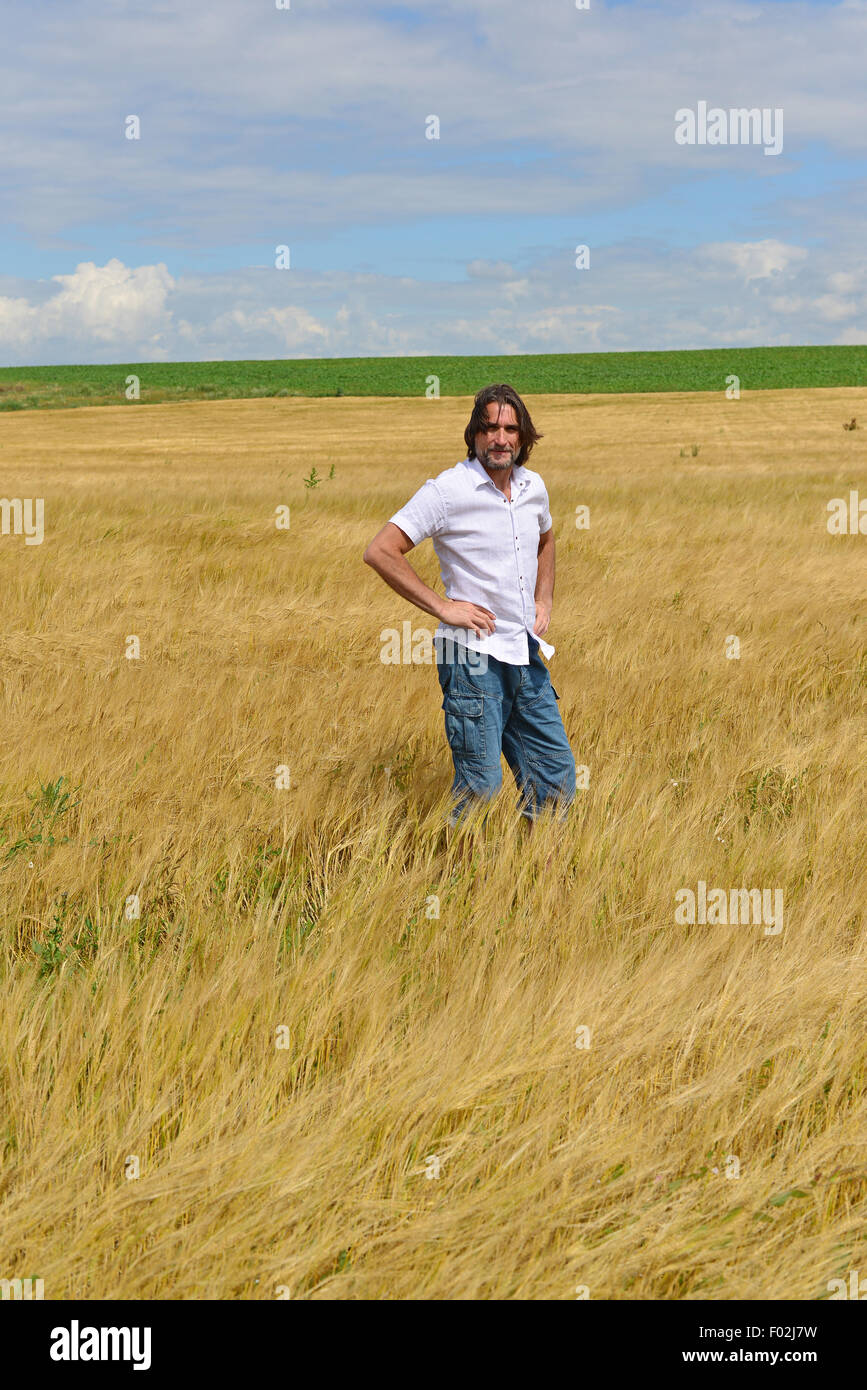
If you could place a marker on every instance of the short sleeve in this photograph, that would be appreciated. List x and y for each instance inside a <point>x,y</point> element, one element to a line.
<point>424,514</point>
<point>545,520</point>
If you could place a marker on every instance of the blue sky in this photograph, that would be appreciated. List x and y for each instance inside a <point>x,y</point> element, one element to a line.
<point>306,127</point>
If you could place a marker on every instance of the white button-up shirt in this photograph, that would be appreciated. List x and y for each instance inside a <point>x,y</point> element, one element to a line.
<point>488,550</point>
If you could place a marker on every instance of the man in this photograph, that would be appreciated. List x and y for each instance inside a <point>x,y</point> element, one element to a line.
<point>491,528</point>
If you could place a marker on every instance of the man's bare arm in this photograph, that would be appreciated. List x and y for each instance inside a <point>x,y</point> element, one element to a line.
<point>544,594</point>
<point>387,555</point>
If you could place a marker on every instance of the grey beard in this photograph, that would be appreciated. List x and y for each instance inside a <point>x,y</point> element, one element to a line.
<point>498,463</point>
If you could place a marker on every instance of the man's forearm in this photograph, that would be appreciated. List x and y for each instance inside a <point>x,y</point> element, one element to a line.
<point>544,592</point>
<point>399,574</point>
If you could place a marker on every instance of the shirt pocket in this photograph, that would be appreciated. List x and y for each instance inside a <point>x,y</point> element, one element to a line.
<point>465,724</point>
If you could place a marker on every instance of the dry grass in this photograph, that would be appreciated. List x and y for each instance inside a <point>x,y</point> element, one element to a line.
<point>411,1036</point>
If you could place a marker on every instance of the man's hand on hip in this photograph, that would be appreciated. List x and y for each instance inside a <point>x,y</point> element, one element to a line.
<point>460,613</point>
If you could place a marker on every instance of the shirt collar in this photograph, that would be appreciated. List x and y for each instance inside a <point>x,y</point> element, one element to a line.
<point>519,474</point>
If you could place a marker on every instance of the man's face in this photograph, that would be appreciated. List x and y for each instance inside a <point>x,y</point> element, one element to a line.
<point>499,443</point>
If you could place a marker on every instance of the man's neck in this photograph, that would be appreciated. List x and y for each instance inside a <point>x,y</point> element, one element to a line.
<point>501,478</point>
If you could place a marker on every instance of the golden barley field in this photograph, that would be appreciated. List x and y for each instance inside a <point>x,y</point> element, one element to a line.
<point>287,1076</point>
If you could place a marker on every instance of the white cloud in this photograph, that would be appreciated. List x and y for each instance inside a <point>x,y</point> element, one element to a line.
<point>96,305</point>
<point>853,337</point>
<point>546,112</point>
<point>834,309</point>
<point>489,270</point>
<point>345,137</point>
<point>847,282</point>
<point>636,295</point>
<point>289,331</point>
<point>755,260</point>
<point>787,303</point>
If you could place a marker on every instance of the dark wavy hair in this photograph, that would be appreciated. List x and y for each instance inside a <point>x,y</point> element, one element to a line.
<point>501,394</point>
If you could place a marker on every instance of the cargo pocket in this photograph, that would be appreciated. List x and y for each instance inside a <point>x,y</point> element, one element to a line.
<point>465,725</point>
